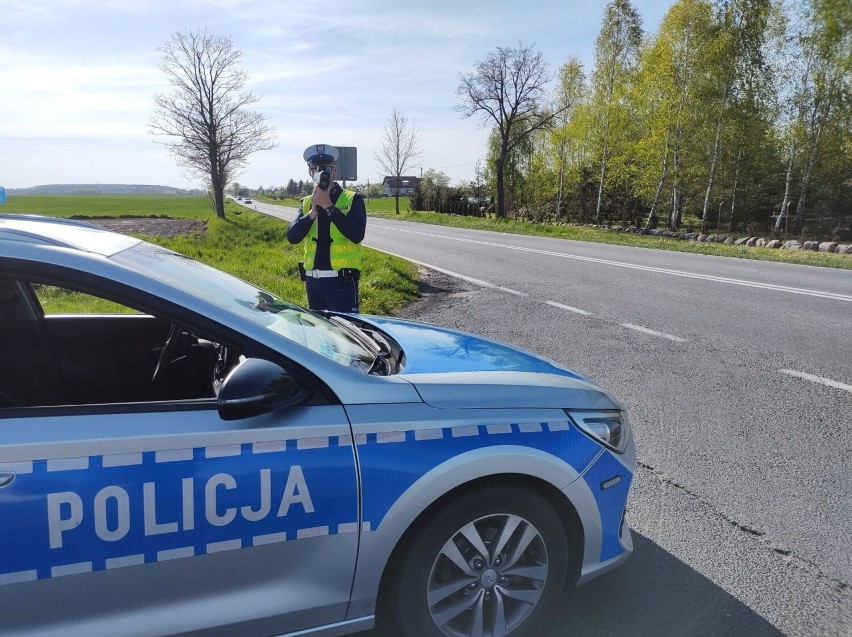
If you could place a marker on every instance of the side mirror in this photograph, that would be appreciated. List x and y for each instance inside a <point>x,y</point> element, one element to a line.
<point>255,387</point>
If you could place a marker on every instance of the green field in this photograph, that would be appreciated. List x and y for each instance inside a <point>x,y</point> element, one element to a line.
<point>247,244</point>
<point>173,206</point>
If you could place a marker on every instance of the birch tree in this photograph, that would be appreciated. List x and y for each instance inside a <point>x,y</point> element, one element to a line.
<point>569,94</point>
<point>829,46</point>
<point>736,69</point>
<point>615,54</point>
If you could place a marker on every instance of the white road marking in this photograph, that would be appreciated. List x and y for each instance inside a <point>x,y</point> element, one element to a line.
<point>568,308</point>
<point>690,275</point>
<point>645,330</point>
<point>817,379</point>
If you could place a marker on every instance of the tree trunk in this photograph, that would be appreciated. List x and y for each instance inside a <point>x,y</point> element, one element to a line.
<point>218,188</point>
<point>501,196</point>
<point>561,177</point>
<point>652,216</point>
<point>674,213</point>
<point>785,203</point>
<point>603,172</point>
<point>706,210</point>
<point>734,189</point>
<point>800,204</point>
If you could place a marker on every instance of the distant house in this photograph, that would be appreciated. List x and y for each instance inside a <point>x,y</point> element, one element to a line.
<point>406,185</point>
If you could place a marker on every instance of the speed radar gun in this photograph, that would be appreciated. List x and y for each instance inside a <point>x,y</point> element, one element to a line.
<point>320,159</point>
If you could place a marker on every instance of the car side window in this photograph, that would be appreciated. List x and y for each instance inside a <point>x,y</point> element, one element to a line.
<point>59,300</point>
<point>64,347</point>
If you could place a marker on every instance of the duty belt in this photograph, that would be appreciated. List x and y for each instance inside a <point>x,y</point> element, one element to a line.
<point>321,274</point>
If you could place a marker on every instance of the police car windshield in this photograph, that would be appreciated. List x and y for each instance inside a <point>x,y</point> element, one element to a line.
<point>246,300</point>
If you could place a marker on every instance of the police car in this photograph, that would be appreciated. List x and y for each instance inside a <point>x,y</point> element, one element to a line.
<point>200,455</point>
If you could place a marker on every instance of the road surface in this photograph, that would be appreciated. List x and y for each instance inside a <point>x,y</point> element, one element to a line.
<point>738,378</point>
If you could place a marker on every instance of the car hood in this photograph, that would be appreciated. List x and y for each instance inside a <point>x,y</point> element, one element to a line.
<point>455,369</point>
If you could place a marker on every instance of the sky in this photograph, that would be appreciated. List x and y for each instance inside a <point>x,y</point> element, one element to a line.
<point>78,78</point>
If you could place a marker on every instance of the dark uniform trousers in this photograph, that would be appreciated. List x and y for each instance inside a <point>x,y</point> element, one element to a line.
<point>334,292</point>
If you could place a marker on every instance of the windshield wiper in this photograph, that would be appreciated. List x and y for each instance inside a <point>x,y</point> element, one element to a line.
<point>379,348</point>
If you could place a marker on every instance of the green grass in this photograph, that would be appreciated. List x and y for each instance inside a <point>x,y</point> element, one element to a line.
<point>56,300</point>
<point>254,247</point>
<point>174,206</point>
<point>247,244</point>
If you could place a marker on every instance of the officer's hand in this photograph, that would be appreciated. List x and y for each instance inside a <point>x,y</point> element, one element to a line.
<point>320,198</point>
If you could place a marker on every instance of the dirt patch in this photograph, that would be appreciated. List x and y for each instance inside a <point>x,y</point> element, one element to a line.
<point>152,226</point>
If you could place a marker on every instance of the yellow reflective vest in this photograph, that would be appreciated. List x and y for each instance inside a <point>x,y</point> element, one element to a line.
<point>343,252</point>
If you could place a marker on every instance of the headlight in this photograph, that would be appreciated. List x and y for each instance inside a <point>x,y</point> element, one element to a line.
<point>610,428</point>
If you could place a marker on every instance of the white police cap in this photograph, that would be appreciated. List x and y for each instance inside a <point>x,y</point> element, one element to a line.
<point>320,154</point>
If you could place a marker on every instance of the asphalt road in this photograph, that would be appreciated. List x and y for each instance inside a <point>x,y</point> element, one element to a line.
<point>738,378</point>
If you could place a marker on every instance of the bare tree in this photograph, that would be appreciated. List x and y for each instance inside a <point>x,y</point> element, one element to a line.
<point>206,110</point>
<point>508,88</point>
<point>400,145</point>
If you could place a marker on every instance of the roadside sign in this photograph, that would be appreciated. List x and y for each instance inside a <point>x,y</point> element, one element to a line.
<point>2,195</point>
<point>347,163</point>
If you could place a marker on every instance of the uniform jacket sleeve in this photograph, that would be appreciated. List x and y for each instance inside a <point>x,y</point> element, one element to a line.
<point>299,228</point>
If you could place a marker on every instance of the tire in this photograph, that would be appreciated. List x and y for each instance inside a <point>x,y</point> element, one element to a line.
<point>492,562</point>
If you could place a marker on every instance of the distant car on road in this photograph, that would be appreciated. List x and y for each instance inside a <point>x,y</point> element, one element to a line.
<point>200,455</point>
<point>247,201</point>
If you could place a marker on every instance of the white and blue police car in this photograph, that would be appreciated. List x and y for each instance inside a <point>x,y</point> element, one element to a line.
<point>201,456</point>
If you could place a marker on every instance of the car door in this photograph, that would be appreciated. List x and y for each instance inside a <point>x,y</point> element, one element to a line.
<point>159,517</point>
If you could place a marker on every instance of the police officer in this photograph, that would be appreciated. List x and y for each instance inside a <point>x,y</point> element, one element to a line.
<point>331,222</point>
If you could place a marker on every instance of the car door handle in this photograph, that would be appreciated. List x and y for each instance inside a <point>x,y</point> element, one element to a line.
<point>6,479</point>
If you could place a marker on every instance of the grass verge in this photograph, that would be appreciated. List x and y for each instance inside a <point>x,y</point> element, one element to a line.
<point>247,244</point>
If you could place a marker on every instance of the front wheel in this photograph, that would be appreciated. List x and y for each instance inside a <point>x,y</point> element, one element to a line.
<point>490,563</point>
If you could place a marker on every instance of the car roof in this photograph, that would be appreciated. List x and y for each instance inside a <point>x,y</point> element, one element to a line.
<point>63,233</point>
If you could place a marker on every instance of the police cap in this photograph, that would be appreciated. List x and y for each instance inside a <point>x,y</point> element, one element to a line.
<point>320,154</point>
